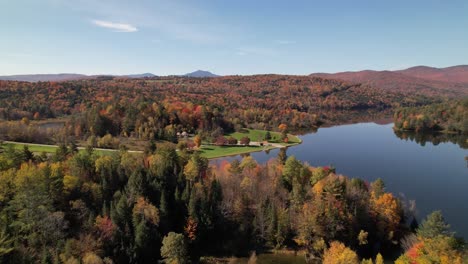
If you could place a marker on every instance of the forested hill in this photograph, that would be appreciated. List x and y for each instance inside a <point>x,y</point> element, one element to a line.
<point>449,82</point>
<point>449,117</point>
<point>457,74</point>
<point>260,99</point>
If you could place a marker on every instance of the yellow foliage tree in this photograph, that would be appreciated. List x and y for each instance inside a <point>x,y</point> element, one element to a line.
<point>197,140</point>
<point>103,163</point>
<point>379,259</point>
<point>70,183</point>
<point>440,249</point>
<point>91,258</point>
<point>386,210</point>
<point>191,170</point>
<point>7,186</point>
<point>338,253</point>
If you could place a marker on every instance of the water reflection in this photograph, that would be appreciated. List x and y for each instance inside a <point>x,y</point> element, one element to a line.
<point>430,169</point>
<point>434,138</point>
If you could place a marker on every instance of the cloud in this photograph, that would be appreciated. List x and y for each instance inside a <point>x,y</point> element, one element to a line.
<point>117,27</point>
<point>170,19</point>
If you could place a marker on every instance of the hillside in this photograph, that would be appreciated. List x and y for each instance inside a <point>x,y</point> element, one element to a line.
<point>451,117</point>
<point>417,80</point>
<point>258,101</point>
<point>457,74</point>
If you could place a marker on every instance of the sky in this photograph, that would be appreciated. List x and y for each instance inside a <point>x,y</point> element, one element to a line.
<point>229,37</point>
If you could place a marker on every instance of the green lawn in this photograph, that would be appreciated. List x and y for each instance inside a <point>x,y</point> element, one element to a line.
<point>212,151</point>
<point>259,135</point>
<point>49,148</point>
<point>32,148</point>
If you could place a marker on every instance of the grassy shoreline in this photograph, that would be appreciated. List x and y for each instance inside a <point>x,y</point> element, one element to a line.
<point>214,152</point>
<point>208,151</point>
<point>256,136</point>
<point>259,136</point>
<point>39,148</point>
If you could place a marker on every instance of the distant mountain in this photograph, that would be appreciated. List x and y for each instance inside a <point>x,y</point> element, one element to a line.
<point>143,75</point>
<point>420,80</point>
<point>44,77</point>
<point>66,77</point>
<point>450,74</point>
<point>200,74</point>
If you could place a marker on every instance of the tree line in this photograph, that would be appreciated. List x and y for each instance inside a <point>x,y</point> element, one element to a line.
<point>451,117</point>
<point>261,101</point>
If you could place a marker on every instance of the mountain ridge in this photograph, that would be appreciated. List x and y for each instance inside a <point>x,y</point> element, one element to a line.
<point>75,76</point>
<point>201,74</point>
<point>451,81</point>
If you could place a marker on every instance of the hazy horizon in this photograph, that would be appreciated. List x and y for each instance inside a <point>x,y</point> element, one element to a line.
<point>214,72</point>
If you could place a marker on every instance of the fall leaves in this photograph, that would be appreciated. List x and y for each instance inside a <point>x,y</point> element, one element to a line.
<point>386,210</point>
<point>262,100</point>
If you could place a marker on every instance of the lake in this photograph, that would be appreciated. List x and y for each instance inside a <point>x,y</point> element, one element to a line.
<point>435,175</point>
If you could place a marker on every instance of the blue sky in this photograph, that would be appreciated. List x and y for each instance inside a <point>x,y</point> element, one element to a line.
<point>229,37</point>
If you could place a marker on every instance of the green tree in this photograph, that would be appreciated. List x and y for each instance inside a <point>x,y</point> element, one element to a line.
<point>27,154</point>
<point>61,153</point>
<point>173,248</point>
<point>433,226</point>
<point>378,187</point>
<point>282,156</point>
<point>6,245</point>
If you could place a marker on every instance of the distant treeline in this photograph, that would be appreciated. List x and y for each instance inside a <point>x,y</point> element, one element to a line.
<point>449,117</point>
<point>262,101</point>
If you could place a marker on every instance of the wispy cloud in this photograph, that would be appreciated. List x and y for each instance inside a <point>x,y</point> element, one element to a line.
<point>171,19</point>
<point>285,42</point>
<point>117,27</point>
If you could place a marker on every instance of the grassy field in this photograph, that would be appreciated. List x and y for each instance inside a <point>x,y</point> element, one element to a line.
<point>32,148</point>
<point>259,135</point>
<point>212,151</point>
<point>38,148</point>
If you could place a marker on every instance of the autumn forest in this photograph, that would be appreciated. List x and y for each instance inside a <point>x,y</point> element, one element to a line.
<point>156,198</point>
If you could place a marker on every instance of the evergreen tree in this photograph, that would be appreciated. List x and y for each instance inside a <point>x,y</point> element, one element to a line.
<point>174,249</point>
<point>434,225</point>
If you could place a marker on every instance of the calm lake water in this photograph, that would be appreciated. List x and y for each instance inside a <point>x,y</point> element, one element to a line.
<point>435,175</point>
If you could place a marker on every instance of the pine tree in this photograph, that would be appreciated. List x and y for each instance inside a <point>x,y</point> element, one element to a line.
<point>433,226</point>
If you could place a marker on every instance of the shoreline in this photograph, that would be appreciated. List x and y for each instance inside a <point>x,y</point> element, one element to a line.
<point>51,148</point>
